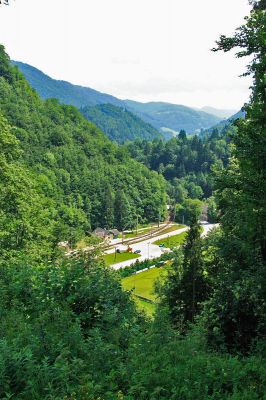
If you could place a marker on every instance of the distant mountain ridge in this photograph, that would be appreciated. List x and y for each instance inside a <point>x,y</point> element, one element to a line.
<point>106,111</point>
<point>172,116</point>
<point>166,117</point>
<point>66,92</point>
<point>224,114</point>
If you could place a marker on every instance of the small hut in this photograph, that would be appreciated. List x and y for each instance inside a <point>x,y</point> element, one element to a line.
<point>114,233</point>
<point>101,233</point>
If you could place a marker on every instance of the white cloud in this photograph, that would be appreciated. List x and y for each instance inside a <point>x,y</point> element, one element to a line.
<point>140,49</point>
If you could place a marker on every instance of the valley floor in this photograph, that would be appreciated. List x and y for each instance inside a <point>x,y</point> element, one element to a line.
<point>150,250</point>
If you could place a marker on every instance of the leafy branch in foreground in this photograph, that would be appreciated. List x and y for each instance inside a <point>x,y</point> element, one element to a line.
<point>236,312</point>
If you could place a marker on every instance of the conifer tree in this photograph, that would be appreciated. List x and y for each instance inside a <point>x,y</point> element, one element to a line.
<point>186,287</point>
<point>236,312</point>
<point>191,282</point>
<point>122,211</point>
<point>108,207</point>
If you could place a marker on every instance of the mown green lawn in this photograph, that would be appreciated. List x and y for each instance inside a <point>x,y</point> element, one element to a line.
<point>118,257</point>
<point>172,241</point>
<point>143,283</point>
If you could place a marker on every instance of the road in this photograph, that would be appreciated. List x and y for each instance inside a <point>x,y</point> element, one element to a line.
<point>149,250</point>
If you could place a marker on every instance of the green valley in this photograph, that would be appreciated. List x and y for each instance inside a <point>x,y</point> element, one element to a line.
<point>74,165</point>
<point>148,118</point>
<point>132,267</point>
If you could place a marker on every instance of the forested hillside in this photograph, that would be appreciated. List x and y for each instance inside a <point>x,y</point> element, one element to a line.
<point>188,165</point>
<point>66,92</point>
<point>172,116</point>
<point>159,115</point>
<point>75,167</point>
<point>119,124</point>
<point>224,125</point>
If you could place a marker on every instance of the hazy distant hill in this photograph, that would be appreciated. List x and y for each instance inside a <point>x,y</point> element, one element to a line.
<point>218,112</point>
<point>163,116</point>
<point>66,92</point>
<point>119,124</point>
<point>172,116</point>
<point>116,122</point>
<point>224,124</point>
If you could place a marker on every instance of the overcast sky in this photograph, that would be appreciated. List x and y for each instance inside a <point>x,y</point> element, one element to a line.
<point>146,50</point>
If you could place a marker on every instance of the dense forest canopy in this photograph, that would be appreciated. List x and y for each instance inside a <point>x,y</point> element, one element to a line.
<point>188,163</point>
<point>238,315</point>
<point>74,165</point>
<point>119,124</point>
<point>66,92</point>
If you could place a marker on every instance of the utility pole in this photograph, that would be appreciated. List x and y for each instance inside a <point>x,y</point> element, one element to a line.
<point>174,211</point>
<point>123,232</point>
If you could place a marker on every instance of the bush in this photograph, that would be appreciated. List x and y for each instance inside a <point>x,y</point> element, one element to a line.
<point>139,265</point>
<point>58,324</point>
<point>167,367</point>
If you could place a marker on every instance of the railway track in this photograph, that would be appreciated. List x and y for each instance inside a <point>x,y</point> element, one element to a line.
<point>140,238</point>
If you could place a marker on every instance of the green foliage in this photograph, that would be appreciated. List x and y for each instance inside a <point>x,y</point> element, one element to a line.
<point>185,287</point>
<point>193,282</point>
<point>223,127</point>
<point>165,366</point>
<point>58,323</point>
<point>99,108</point>
<point>68,330</point>
<point>25,220</point>
<point>139,265</point>
<point>186,163</point>
<point>108,207</point>
<point>212,210</point>
<point>119,124</point>
<point>186,211</point>
<point>74,165</point>
<point>235,314</point>
<point>65,92</point>
<point>123,214</point>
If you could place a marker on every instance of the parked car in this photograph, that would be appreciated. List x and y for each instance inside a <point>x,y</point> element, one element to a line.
<point>137,251</point>
<point>161,245</point>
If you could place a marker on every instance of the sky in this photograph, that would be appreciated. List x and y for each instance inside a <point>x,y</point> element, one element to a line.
<point>144,50</point>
